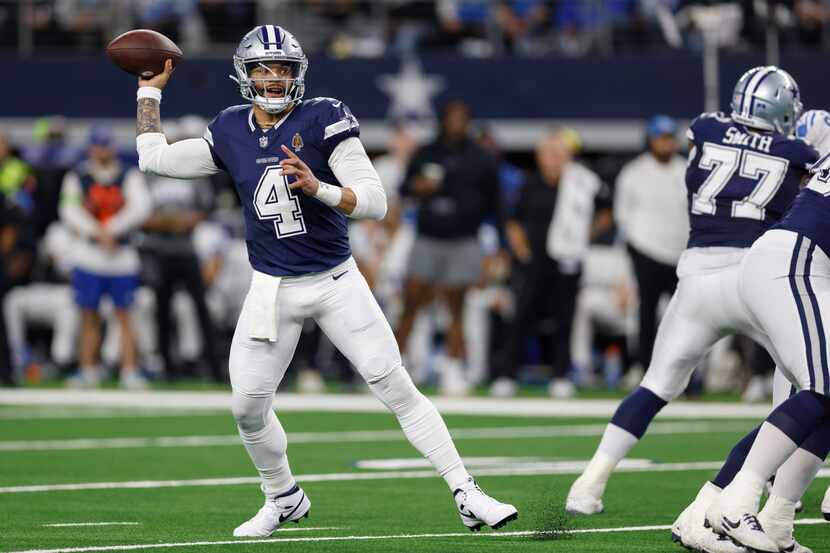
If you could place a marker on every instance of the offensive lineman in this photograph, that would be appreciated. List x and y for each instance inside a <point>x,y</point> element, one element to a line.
<point>744,171</point>
<point>299,250</point>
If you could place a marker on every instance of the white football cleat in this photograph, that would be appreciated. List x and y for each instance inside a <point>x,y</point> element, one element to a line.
<point>477,509</point>
<point>825,505</point>
<point>584,498</point>
<point>289,507</point>
<point>690,530</point>
<point>777,518</point>
<point>735,514</point>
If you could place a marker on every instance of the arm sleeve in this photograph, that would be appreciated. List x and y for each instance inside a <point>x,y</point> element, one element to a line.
<point>137,206</point>
<point>353,168</point>
<point>185,159</point>
<point>72,211</point>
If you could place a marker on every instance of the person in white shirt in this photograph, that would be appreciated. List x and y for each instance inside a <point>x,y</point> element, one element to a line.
<point>650,209</point>
<point>102,201</point>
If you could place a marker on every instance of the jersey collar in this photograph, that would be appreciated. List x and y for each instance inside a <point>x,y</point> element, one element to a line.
<point>253,127</point>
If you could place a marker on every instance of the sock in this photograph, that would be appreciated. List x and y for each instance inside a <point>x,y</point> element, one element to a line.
<point>422,425</point>
<point>637,410</point>
<point>790,424</point>
<point>627,426</point>
<point>796,474</point>
<point>265,441</point>
<point>735,460</point>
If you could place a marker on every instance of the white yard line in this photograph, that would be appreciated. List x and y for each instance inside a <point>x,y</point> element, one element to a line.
<point>73,524</point>
<point>532,469</point>
<point>525,432</point>
<point>357,403</point>
<point>480,535</point>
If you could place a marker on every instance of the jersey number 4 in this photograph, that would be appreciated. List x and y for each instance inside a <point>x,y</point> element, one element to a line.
<point>274,201</point>
<point>722,162</point>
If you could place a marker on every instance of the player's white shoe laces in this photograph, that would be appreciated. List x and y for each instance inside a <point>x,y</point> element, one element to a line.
<point>735,516</point>
<point>825,505</point>
<point>689,529</point>
<point>585,497</point>
<point>477,509</point>
<point>290,507</point>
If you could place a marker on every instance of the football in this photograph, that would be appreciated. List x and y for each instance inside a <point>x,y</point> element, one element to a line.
<point>142,52</point>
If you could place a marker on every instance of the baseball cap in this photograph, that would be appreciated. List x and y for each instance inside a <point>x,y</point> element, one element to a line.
<point>99,135</point>
<point>660,125</point>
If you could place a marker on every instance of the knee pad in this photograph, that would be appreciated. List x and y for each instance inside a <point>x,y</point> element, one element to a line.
<point>397,391</point>
<point>250,411</point>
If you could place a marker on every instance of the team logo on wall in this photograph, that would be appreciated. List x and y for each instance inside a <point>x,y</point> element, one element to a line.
<point>263,141</point>
<point>297,142</point>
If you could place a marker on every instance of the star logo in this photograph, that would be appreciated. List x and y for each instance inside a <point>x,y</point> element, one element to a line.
<point>411,91</point>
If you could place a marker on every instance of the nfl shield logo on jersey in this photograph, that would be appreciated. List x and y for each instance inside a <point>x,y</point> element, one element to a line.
<point>297,142</point>
<point>263,141</point>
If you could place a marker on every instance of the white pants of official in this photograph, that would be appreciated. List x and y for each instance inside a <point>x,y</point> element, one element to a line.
<point>706,306</point>
<point>351,318</point>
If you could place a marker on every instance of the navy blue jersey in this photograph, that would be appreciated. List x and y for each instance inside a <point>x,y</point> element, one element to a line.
<point>740,182</point>
<point>288,233</point>
<point>810,213</point>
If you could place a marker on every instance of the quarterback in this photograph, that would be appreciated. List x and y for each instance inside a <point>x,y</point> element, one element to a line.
<point>300,170</point>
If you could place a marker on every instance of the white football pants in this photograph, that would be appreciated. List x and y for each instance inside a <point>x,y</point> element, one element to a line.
<point>706,306</point>
<point>348,314</point>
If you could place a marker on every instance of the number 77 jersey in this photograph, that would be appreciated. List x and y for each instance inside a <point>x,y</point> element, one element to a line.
<point>740,181</point>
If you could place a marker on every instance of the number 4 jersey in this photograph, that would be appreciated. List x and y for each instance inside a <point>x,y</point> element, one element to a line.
<point>740,182</point>
<point>288,233</point>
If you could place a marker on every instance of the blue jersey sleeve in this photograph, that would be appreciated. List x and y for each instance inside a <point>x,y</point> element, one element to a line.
<point>336,123</point>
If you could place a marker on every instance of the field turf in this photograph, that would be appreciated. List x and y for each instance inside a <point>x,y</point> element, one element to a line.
<point>179,497</point>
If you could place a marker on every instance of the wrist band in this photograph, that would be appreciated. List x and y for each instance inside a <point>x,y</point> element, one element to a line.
<point>149,92</point>
<point>329,194</point>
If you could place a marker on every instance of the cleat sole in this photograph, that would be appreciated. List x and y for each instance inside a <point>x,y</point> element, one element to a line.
<point>504,521</point>
<point>826,516</point>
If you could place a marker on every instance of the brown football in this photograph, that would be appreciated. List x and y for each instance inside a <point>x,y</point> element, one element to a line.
<point>142,52</point>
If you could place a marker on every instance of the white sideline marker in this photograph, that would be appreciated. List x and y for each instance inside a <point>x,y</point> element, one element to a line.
<point>511,432</point>
<point>479,535</point>
<point>72,524</point>
<point>574,467</point>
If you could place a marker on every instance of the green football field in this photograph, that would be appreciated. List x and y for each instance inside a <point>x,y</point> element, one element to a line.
<point>75,479</point>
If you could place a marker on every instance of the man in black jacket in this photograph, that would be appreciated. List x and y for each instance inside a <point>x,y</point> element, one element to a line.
<point>455,184</point>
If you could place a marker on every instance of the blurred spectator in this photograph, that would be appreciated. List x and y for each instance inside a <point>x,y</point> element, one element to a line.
<point>46,301</point>
<point>454,183</point>
<point>227,20</point>
<point>560,208</point>
<point>17,181</point>
<point>13,263</point>
<point>522,21</point>
<point>164,16</point>
<point>511,178</point>
<point>178,207</point>
<point>77,23</point>
<point>651,211</point>
<point>463,24</point>
<point>9,24</point>
<point>103,201</point>
<point>51,157</point>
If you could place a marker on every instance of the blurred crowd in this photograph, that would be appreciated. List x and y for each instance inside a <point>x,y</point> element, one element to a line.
<point>372,28</point>
<point>549,270</point>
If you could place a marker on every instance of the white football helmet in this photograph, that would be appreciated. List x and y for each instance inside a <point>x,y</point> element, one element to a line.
<point>270,44</point>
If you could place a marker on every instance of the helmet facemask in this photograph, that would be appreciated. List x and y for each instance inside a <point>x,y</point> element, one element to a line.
<point>255,89</point>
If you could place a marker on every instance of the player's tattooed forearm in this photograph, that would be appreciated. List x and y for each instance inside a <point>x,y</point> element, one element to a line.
<point>148,118</point>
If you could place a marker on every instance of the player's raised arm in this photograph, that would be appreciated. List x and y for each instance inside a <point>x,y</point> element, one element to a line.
<point>186,159</point>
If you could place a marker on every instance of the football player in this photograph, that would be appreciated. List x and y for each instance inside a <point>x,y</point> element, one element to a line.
<point>799,426</point>
<point>744,171</point>
<point>300,171</point>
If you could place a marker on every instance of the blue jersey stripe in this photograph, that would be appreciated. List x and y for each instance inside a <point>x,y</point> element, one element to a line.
<point>805,331</point>
<point>817,314</point>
